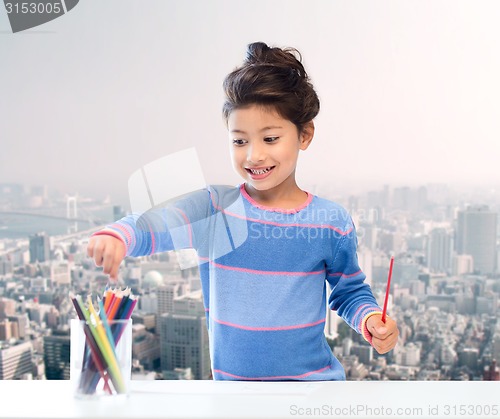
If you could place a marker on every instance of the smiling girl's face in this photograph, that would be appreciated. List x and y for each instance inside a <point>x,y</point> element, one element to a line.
<point>265,148</point>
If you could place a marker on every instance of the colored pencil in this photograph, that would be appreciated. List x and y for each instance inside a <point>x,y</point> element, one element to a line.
<point>384,311</point>
<point>100,358</point>
<point>105,347</point>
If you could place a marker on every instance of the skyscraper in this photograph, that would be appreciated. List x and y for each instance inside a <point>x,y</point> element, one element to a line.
<point>7,307</point>
<point>57,355</point>
<point>166,295</point>
<point>5,330</point>
<point>184,337</point>
<point>15,361</point>
<point>476,236</point>
<point>19,324</point>
<point>39,248</point>
<point>462,264</point>
<point>439,250</point>
<point>145,347</point>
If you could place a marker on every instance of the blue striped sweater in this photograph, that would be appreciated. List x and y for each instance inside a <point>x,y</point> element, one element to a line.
<point>265,276</point>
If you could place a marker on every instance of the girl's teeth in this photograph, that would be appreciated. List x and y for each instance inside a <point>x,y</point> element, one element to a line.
<point>260,172</point>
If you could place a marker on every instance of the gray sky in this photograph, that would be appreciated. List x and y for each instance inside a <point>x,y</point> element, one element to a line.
<point>409,89</point>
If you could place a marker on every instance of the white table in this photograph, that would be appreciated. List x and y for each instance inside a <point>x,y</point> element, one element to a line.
<point>224,399</point>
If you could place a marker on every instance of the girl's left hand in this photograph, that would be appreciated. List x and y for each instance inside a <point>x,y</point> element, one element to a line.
<point>384,335</point>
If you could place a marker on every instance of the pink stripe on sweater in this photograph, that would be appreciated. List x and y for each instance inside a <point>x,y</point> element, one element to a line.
<point>125,231</point>
<point>276,377</point>
<point>259,272</point>
<point>269,329</point>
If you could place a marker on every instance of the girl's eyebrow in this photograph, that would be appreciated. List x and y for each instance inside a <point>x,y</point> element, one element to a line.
<point>238,131</point>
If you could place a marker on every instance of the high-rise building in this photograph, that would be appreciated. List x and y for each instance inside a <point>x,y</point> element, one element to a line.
<point>19,324</point>
<point>496,342</point>
<point>365,262</point>
<point>52,318</point>
<point>166,295</point>
<point>6,265</point>
<point>468,357</point>
<point>462,264</point>
<point>57,355</point>
<point>391,241</point>
<point>346,346</point>
<point>410,355</point>
<point>5,330</point>
<point>145,347</point>
<point>15,361</point>
<point>363,352</point>
<point>440,250</point>
<point>60,272</point>
<point>39,248</point>
<point>7,307</point>
<point>184,337</point>
<point>370,236</point>
<point>476,236</point>
<point>149,303</point>
<point>37,312</point>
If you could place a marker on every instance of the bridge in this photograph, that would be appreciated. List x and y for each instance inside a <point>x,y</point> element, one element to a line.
<point>73,216</point>
<point>51,216</point>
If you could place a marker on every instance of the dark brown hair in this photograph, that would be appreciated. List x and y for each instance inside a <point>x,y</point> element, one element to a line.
<point>275,78</point>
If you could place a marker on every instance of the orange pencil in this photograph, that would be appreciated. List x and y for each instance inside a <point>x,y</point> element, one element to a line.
<point>110,296</point>
<point>114,308</point>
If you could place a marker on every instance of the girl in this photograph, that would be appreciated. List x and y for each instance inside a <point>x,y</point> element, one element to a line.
<point>266,248</point>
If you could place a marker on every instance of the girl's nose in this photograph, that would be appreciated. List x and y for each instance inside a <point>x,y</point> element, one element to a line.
<point>255,153</point>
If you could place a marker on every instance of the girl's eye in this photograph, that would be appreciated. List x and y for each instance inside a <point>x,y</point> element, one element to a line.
<point>238,141</point>
<point>271,139</point>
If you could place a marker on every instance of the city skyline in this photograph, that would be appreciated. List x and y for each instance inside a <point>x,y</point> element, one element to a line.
<point>476,193</point>
<point>446,305</point>
<point>26,210</point>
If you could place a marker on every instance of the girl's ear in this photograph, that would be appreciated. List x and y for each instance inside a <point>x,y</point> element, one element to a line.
<point>306,135</point>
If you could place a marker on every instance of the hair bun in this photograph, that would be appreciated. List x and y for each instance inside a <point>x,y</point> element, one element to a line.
<point>274,77</point>
<point>256,52</point>
<point>259,53</point>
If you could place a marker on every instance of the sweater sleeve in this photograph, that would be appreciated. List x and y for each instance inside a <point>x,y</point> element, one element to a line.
<point>180,224</point>
<point>350,296</point>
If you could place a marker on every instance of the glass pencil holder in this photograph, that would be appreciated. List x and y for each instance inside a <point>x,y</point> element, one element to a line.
<point>101,358</point>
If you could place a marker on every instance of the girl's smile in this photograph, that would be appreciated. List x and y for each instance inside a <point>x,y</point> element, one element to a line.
<point>259,173</point>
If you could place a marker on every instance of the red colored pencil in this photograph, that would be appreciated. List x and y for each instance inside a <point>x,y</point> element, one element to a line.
<point>384,311</point>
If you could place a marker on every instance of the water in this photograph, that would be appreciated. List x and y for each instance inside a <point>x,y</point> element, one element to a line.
<point>17,226</point>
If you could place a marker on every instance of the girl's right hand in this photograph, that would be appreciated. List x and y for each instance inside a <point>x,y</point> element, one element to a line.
<point>108,252</point>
